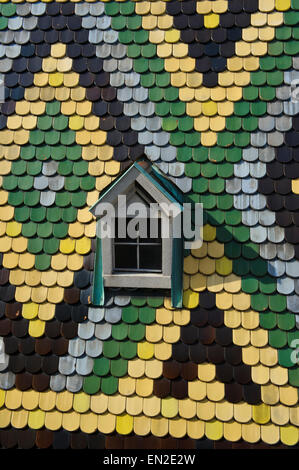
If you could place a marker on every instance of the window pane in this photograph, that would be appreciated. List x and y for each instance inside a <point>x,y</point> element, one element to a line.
<point>121,235</point>
<point>150,257</point>
<point>125,257</point>
<point>156,231</point>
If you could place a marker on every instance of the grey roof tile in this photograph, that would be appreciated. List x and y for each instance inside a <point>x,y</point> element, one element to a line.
<point>95,36</point>
<point>131,109</point>
<point>7,380</point>
<point>176,169</point>
<point>249,185</point>
<point>74,383</point>
<point>110,36</point>
<point>113,315</point>
<point>285,252</point>
<point>293,303</point>
<point>76,347</point>
<point>145,138</point>
<point>292,268</point>
<point>5,65</point>
<point>153,123</point>
<point>276,268</point>
<point>250,217</point>
<point>22,37</point>
<point>125,95</point>
<point>241,169</point>
<point>276,234</point>
<point>241,201</point>
<point>268,250</point>
<point>161,139</point>
<point>57,382</point>
<point>38,8</point>
<point>13,51</point>
<point>47,198</point>
<point>110,65</point>
<point>117,79</point>
<point>296,62</point>
<point>94,347</point>
<point>23,9</point>
<point>168,153</point>
<point>140,94</point>
<point>233,185</point>
<point>97,8</point>
<point>104,22</point>
<point>15,23</point>
<point>257,169</point>
<point>266,154</point>
<point>67,365</point>
<point>6,37</point>
<point>258,139</point>
<point>258,201</point>
<point>152,152</point>
<point>103,50</point>
<point>132,79</point>
<point>118,51</point>
<point>122,300</point>
<point>250,154</point>
<point>266,123</point>
<point>30,23</point>
<point>291,108</point>
<point>56,182</point>
<point>138,123</point>
<point>275,108</point>
<point>84,365</point>
<point>96,314</point>
<point>275,139</point>
<point>146,109</point>
<point>50,168</point>
<point>283,123</point>
<point>103,331</point>
<point>89,22</point>
<point>283,93</point>
<point>125,65</point>
<point>266,218</point>
<point>184,184</point>
<point>86,330</point>
<point>82,8</point>
<point>41,182</point>
<point>285,285</point>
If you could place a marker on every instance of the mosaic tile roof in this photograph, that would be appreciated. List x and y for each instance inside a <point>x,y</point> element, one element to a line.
<point>207,91</point>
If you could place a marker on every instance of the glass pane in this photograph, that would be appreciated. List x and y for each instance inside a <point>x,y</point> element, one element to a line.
<point>150,257</point>
<point>121,233</point>
<point>125,257</point>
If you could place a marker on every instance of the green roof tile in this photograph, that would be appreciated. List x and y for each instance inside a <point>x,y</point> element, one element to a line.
<point>119,367</point>
<point>109,385</point>
<point>91,384</point>
<point>101,366</point>
<point>110,349</point>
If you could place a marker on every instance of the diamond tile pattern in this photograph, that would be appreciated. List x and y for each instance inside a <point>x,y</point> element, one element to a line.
<point>207,91</point>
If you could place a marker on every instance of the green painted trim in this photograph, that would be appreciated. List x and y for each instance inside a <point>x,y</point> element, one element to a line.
<point>168,184</point>
<point>158,186</point>
<point>98,292</point>
<point>177,273</point>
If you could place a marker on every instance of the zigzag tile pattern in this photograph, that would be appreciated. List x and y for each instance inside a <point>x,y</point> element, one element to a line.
<point>207,91</point>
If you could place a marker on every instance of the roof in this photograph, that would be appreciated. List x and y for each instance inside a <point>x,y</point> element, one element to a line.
<point>205,90</point>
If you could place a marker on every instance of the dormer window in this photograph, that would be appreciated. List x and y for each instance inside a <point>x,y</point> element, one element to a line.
<point>138,252</point>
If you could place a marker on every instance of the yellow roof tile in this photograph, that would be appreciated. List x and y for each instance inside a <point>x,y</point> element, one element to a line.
<point>187,408</point>
<point>208,139</point>
<point>33,278</point>
<point>56,79</point>
<point>81,402</point>
<point>70,421</point>
<point>153,368</point>
<point>143,7</point>
<point>78,93</point>
<point>280,414</point>
<point>206,372</point>
<point>37,108</point>
<point>241,79</point>
<point>241,337</point>
<point>151,406</point>
<point>36,419</point>
<point>250,354</point>
<point>180,50</point>
<point>177,428</point>
<point>75,262</point>
<point>261,413</point>
<point>259,337</point>
<point>224,300</point>
<point>41,79</point>
<point>90,229</point>
<point>98,137</point>
<point>5,244</point>
<point>29,310</point>
<point>190,299</point>
<point>266,5</point>
<point>270,394</point>
<point>224,266</point>
<point>215,391</point>
<point>268,356</point>
<point>145,350</point>
<point>288,395</point>
<point>53,420</point>
<point>157,7</point>
<point>83,245</point>
<point>47,93</point>
<point>251,432</point>
<point>294,415</point>
<point>136,368</point>
<point>242,412</point>
<point>144,387</point>
<point>205,410</point>
<point>164,316</point>
<point>58,50</point>
<point>106,423</point>
<point>2,397</point>
<point>6,212</point>
<point>26,261</point>
<point>171,333</point>
<point>278,375</point>
<point>124,424</point>
<point>19,419</point>
<point>159,426</point>
<point>241,301</point>
<point>11,153</point>
<point>232,283</point>
<point>55,294</point>
<point>46,311</point>
<point>190,265</point>
<point>270,433</point>
<point>68,108</point>
<point>163,351</point>
<point>65,278</point>
<point>197,390</point>
<point>232,431</point>
<point>47,400</point>
<point>13,399</point>
<point>224,411</point>
<point>22,107</point>
<point>39,294</point>
<point>153,333</point>
<point>5,416</point>
<point>275,18</point>
<point>64,65</point>
<point>165,22</point>
<point>181,317</point>
<point>62,93</point>
<point>169,407</point>
<point>282,5</point>
<point>195,429</point>
<point>214,430</point>
<point>134,405</point>
<point>36,328</point>
<point>64,401</point>
<point>47,278</point>
<point>99,403</point>
<point>242,49</point>
<point>204,6</point>
<point>219,6</point>
<point>49,64</point>
<point>289,435</point>
<point>142,425</point>
<point>83,108</point>
<point>116,404</point>
<point>23,294</point>
<point>59,262</point>
<point>88,422</point>
<point>149,22</point>
<point>187,64</point>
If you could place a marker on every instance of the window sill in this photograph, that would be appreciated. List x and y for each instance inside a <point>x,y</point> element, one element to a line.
<point>146,280</point>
